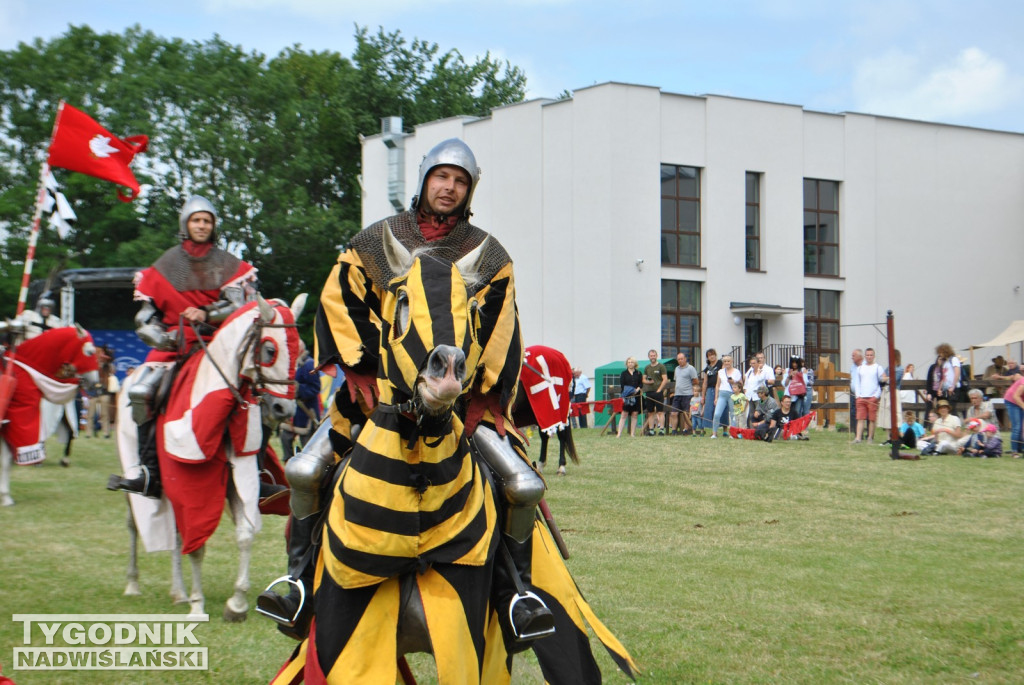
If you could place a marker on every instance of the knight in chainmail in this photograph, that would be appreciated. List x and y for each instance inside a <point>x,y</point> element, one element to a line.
<point>187,293</point>
<point>348,334</point>
<point>41,318</point>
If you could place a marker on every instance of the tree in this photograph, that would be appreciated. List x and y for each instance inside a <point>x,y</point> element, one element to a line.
<point>274,143</point>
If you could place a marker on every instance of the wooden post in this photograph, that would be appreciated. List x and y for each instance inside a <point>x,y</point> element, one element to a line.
<point>894,427</point>
<point>827,394</point>
<point>611,422</point>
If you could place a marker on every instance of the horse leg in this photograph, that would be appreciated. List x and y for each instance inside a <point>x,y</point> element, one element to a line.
<point>65,436</point>
<point>5,475</point>
<point>196,601</point>
<point>178,594</point>
<point>562,439</point>
<point>237,607</point>
<point>132,588</point>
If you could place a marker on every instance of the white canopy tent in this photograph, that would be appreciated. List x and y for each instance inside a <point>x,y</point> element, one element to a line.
<point>1014,333</point>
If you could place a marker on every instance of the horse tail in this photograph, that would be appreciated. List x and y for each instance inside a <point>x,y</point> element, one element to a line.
<point>570,444</point>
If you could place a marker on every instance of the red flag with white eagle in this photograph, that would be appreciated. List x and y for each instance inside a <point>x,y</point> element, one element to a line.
<point>80,144</point>
<point>546,377</point>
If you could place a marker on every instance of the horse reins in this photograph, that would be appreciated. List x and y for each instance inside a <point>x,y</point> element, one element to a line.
<point>254,334</point>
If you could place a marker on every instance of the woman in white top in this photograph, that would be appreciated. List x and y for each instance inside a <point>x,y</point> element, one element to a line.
<point>726,376</point>
<point>908,396</point>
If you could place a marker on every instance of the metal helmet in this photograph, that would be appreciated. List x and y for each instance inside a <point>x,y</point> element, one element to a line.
<point>196,203</point>
<point>46,300</point>
<point>452,152</point>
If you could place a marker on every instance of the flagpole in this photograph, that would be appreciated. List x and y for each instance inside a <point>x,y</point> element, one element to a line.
<point>33,238</point>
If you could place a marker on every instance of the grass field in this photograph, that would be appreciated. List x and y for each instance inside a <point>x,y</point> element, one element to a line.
<point>713,561</point>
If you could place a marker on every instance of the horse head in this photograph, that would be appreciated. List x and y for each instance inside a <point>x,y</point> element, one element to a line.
<point>258,346</point>
<point>65,354</point>
<point>429,346</point>
<point>275,357</point>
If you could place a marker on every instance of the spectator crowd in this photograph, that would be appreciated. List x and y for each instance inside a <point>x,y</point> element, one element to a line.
<point>722,399</point>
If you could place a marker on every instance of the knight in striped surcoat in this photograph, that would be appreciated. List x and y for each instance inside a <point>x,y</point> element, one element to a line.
<point>413,495</point>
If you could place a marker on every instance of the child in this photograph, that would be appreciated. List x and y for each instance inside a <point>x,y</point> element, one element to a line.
<point>738,402</point>
<point>910,430</point>
<point>984,441</point>
<point>698,424</point>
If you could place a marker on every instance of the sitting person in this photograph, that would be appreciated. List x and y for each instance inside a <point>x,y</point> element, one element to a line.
<point>910,430</point>
<point>767,418</point>
<point>983,440</point>
<point>787,412</point>
<point>980,408</point>
<point>941,439</point>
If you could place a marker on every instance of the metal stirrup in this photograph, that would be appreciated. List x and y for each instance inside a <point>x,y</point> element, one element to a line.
<point>527,636</point>
<point>290,622</point>
<point>521,594</point>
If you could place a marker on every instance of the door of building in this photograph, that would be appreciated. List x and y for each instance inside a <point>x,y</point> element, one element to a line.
<point>753,339</point>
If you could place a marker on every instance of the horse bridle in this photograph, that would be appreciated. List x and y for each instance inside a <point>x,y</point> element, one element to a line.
<point>260,381</point>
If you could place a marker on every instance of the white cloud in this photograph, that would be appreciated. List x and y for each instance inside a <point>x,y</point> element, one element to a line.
<point>900,84</point>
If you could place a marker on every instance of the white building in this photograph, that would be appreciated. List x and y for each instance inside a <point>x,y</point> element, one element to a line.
<point>639,219</point>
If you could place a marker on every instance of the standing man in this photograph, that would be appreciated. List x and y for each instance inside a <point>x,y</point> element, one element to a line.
<point>870,377</point>
<point>307,405</point>
<point>856,359</point>
<point>348,329</point>
<point>655,381</point>
<point>581,391</point>
<point>685,375</point>
<point>758,374</point>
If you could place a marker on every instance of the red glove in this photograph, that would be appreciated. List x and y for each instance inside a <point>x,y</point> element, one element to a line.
<point>477,406</point>
<point>365,383</point>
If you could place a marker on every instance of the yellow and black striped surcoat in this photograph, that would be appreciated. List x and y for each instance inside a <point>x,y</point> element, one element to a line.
<point>397,508</point>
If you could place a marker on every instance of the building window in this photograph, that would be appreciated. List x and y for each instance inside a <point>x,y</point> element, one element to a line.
<point>680,215</point>
<point>821,326</point>
<point>680,319</point>
<point>821,227</point>
<point>753,235</point>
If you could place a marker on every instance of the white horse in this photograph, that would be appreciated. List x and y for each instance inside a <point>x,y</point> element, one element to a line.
<point>47,366</point>
<point>217,397</point>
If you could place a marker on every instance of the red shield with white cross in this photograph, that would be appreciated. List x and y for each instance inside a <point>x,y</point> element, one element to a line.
<point>546,379</point>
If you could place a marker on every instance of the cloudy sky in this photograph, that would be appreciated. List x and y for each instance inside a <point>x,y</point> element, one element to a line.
<point>937,60</point>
